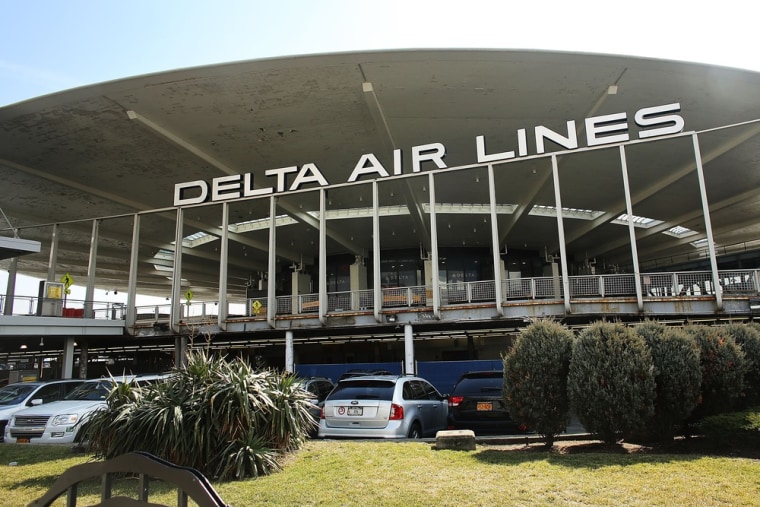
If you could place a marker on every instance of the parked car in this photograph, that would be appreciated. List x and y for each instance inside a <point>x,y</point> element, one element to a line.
<point>58,422</point>
<point>477,403</point>
<point>20,395</point>
<point>318,388</point>
<point>362,373</point>
<point>383,406</point>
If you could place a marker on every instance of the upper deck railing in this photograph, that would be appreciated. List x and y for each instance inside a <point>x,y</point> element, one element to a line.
<point>661,286</point>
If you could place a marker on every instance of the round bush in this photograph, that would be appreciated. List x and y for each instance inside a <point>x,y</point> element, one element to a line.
<point>678,376</point>
<point>611,381</point>
<point>722,364</point>
<point>747,336</point>
<point>535,378</point>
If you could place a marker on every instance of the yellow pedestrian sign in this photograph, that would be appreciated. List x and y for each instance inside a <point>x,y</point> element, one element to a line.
<point>67,282</point>
<point>189,296</point>
<point>256,307</point>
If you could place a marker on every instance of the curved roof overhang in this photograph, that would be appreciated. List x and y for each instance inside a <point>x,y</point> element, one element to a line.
<point>118,148</point>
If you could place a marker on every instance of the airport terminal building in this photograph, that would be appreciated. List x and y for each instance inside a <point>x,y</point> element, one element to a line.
<point>376,207</point>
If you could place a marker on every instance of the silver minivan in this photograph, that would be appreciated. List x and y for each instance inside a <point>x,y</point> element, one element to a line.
<point>383,406</point>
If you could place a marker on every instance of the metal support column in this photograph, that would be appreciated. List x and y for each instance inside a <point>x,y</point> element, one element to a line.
<point>272,268</point>
<point>89,292</point>
<point>322,257</point>
<point>376,273</point>
<point>53,259</point>
<point>176,304</point>
<point>561,235</point>
<point>134,260</point>
<point>495,241</point>
<point>408,350</point>
<point>434,250</point>
<point>223,259</point>
<point>631,230</point>
<point>708,224</point>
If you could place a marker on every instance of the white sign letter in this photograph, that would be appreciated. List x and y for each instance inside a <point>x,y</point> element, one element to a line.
<point>179,191</point>
<point>607,124</point>
<point>225,187</point>
<point>480,146</point>
<point>374,167</point>
<point>308,174</point>
<point>249,191</point>
<point>420,154</point>
<point>651,116</point>
<point>570,142</point>
<point>280,173</point>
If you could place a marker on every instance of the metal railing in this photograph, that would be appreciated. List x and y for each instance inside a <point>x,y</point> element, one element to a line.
<point>684,284</point>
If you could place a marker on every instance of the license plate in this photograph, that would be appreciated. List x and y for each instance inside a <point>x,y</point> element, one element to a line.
<point>22,440</point>
<point>354,410</point>
<point>485,406</point>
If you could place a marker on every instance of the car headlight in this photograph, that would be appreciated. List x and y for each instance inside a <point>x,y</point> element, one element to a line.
<point>64,419</point>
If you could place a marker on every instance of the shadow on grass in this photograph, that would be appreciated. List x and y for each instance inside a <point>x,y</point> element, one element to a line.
<point>35,454</point>
<point>596,454</point>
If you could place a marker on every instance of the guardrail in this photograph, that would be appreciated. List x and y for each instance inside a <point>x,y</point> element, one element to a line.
<point>653,285</point>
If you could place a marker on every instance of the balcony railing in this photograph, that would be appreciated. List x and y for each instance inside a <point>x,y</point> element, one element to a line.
<point>654,286</point>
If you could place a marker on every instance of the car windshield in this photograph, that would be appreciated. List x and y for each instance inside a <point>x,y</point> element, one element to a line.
<point>15,394</point>
<point>480,385</point>
<point>363,389</point>
<point>91,391</point>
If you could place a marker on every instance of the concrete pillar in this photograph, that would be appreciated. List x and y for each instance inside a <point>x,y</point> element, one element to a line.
<point>300,284</point>
<point>83,356</point>
<point>358,281</point>
<point>10,288</point>
<point>67,366</point>
<point>289,363</point>
<point>180,351</point>
<point>409,368</point>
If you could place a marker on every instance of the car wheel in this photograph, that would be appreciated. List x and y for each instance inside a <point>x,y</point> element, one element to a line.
<point>415,431</point>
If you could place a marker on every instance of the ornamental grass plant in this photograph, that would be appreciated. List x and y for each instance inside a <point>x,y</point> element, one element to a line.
<point>221,417</point>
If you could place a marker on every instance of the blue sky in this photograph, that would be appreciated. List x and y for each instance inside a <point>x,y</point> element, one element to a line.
<point>52,45</point>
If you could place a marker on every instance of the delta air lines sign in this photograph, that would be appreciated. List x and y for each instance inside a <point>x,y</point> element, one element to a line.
<point>614,128</point>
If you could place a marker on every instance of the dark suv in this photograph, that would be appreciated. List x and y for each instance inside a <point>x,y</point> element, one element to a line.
<point>477,403</point>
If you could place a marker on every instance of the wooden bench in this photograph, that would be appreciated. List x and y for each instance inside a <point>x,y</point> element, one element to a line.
<point>189,482</point>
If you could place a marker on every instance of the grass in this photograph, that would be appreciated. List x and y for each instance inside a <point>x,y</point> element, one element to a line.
<point>412,473</point>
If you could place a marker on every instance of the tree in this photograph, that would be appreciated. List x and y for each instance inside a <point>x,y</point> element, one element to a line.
<point>535,378</point>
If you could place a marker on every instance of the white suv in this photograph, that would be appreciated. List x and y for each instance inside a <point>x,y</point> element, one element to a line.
<point>20,395</point>
<point>59,421</point>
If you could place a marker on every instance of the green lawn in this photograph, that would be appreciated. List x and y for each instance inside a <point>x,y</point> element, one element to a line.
<point>345,473</point>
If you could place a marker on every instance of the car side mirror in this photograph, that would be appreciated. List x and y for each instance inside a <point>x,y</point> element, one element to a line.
<point>35,402</point>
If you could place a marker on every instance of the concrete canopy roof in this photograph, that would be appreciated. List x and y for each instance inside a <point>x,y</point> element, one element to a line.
<point>117,148</point>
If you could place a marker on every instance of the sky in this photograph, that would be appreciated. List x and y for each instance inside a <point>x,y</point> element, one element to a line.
<point>52,45</point>
<point>47,46</point>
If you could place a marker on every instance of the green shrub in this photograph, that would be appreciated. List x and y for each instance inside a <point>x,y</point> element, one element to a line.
<point>747,336</point>
<point>678,377</point>
<point>733,429</point>
<point>535,378</point>
<point>611,381</point>
<point>722,364</point>
<point>221,417</point>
